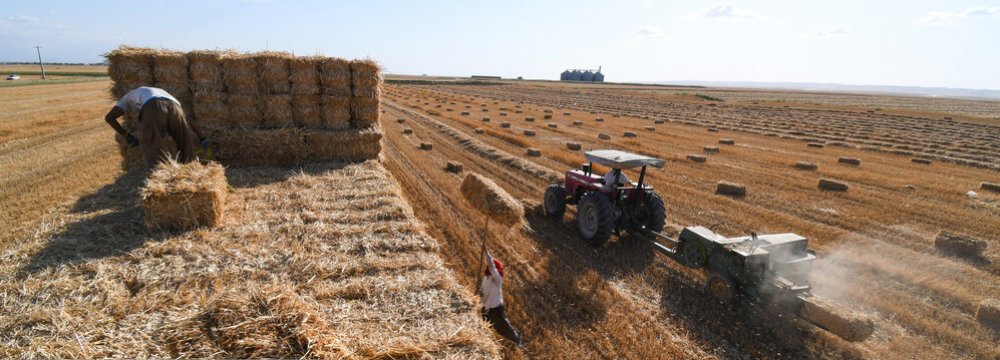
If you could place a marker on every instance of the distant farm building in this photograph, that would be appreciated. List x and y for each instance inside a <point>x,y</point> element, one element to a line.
<point>582,75</point>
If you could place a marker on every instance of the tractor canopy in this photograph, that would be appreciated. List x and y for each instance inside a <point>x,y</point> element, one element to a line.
<point>617,159</point>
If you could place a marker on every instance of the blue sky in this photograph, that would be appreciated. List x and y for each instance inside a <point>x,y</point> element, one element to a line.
<point>912,43</point>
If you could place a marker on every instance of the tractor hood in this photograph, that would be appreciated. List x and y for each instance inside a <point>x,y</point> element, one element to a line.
<point>617,159</point>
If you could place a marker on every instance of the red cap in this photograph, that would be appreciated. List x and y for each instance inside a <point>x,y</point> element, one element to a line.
<point>499,266</point>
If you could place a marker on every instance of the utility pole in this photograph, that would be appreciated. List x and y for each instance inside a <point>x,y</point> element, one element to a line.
<point>38,49</point>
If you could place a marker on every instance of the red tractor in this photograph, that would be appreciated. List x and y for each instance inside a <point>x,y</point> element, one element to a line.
<point>609,203</point>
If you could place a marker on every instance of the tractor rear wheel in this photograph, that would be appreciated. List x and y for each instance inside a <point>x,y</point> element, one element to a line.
<point>555,201</point>
<point>722,288</point>
<point>595,218</point>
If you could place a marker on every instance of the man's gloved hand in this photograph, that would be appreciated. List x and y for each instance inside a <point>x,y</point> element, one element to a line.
<point>205,143</point>
<point>131,140</point>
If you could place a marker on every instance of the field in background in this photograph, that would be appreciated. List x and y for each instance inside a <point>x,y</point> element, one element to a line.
<point>58,164</point>
<point>54,74</point>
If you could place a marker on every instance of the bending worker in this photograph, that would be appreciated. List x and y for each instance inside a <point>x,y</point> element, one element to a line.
<point>159,115</point>
<point>492,292</point>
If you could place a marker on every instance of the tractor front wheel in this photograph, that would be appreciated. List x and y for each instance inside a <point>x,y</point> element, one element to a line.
<point>555,201</point>
<point>656,212</point>
<point>595,218</point>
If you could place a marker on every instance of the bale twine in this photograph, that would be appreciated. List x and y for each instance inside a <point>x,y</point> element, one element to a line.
<point>630,134</point>
<point>335,111</point>
<point>534,152</point>
<point>184,196</point>
<point>486,119</point>
<point>547,116</point>
<point>603,136</point>
<point>277,111</point>
<point>808,166</point>
<point>335,76</point>
<point>849,325</point>
<point>815,145</point>
<point>988,186</point>
<point>600,119</point>
<point>454,167</point>
<point>849,161</point>
<point>529,118</point>
<point>731,189</point>
<point>307,110</point>
<point>961,245</point>
<point>727,141</point>
<point>832,185</point>
<point>529,133</point>
<point>505,124</point>
<point>573,145</point>
<point>426,146</point>
<point>304,75</point>
<point>489,198</point>
<point>697,158</point>
<point>711,149</point>
<point>407,131</point>
<point>479,131</point>
<point>988,312</point>
<point>239,73</point>
<point>205,70</point>
<point>274,73</point>
<point>553,125</point>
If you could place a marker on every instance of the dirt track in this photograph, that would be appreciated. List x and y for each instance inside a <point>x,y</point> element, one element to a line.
<point>625,301</point>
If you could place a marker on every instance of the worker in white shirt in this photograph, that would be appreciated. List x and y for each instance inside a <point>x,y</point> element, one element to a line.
<point>609,178</point>
<point>158,115</point>
<point>492,291</point>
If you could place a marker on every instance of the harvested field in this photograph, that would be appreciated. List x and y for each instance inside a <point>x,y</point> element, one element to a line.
<point>870,236</point>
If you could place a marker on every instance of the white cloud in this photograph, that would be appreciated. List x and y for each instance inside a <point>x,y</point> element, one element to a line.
<point>946,19</point>
<point>24,19</point>
<point>726,11</point>
<point>837,31</point>
<point>651,33</point>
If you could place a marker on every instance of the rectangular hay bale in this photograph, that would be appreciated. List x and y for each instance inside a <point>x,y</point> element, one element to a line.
<point>304,75</point>
<point>205,70</point>
<point>243,111</point>
<point>210,109</point>
<point>239,73</point>
<point>307,110</point>
<point>184,196</point>
<point>335,77</point>
<point>129,67</point>
<point>344,145</point>
<point>261,147</point>
<point>336,112</point>
<point>365,107</point>
<point>272,68</point>
<point>277,111</point>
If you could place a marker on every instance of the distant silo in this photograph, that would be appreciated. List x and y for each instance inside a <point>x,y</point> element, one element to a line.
<point>565,75</point>
<point>587,76</point>
<point>576,75</point>
<point>598,77</point>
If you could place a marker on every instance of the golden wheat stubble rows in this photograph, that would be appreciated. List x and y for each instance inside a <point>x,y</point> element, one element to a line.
<point>878,209</point>
<point>54,147</point>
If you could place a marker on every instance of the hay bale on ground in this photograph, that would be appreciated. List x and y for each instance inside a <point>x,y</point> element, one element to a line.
<point>600,119</point>
<point>210,109</point>
<point>808,166</point>
<point>426,146</point>
<point>308,111</point>
<point>491,199</point>
<point>407,131</point>
<point>272,67</point>
<point>261,147</point>
<point>988,186</point>
<point>129,67</point>
<point>553,125</point>
<point>505,124</point>
<point>534,152</point>
<point>577,123</point>
<point>244,111</point>
<point>730,188</point>
<point>547,116</point>
<point>988,312</point>
<point>961,245</point>
<point>344,145</point>
<point>400,120</point>
<point>650,128</point>
<point>184,196</point>
<point>335,77</point>
<point>567,113</point>
<point>921,161</point>
<point>335,112</point>
<point>529,118</point>
<point>849,161</point>
<point>205,71</point>
<point>630,134</point>
<point>573,145</point>
<point>304,75</point>
<point>479,131</point>
<point>727,141</point>
<point>464,113</point>
<point>815,145</point>
<point>454,167</point>
<point>832,185</point>
<point>697,158</point>
<point>713,130</point>
<point>603,136</point>
<point>659,122</point>
<point>486,119</point>
<point>277,111</point>
<point>529,133</point>
<point>711,149</point>
<point>239,73</point>
<point>849,325</point>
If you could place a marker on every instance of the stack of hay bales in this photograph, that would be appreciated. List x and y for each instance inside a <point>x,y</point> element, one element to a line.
<point>491,199</point>
<point>184,196</point>
<point>267,108</point>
